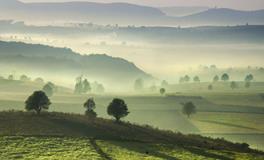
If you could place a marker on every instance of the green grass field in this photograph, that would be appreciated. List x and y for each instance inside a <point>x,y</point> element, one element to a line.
<point>71,136</point>
<point>236,115</point>
<point>59,148</point>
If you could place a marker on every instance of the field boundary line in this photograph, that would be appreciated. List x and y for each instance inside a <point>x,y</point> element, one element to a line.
<point>98,149</point>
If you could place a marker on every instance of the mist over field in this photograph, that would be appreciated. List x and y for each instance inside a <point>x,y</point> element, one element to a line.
<point>131,80</point>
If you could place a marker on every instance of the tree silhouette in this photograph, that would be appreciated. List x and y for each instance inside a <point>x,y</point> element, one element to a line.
<point>249,78</point>
<point>216,78</point>
<point>118,109</point>
<point>196,79</point>
<point>39,80</point>
<point>37,101</point>
<point>90,106</point>
<point>188,109</point>
<point>210,87</point>
<point>86,87</point>
<point>164,84</point>
<point>247,84</point>
<point>11,77</point>
<point>225,77</point>
<point>48,89</point>
<point>233,85</point>
<point>139,85</point>
<point>24,78</point>
<point>162,91</point>
<point>186,78</point>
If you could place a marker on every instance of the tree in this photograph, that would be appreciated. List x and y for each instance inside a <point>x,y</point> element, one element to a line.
<point>210,87</point>
<point>196,79</point>
<point>48,89</point>
<point>90,106</point>
<point>249,78</point>
<point>216,78</point>
<point>164,84</point>
<point>37,101</point>
<point>233,85</point>
<point>139,84</point>
<point>39,80</point>
<point>86,87</point>
<point>24,78</point>
<point>118,109</point>
<point>153,88</point>
<point>225,77</point>
<point>188,109</point>
<point>10,77</point>
<point>162,91</point>
<point>181,80</point>
<point>186,78</point>
<point>78,87</point>
<point>247,84</point>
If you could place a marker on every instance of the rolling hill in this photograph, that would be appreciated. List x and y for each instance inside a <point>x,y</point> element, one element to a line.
<point>220,16</point>
<point>52,62</point>
<point>124,14</point>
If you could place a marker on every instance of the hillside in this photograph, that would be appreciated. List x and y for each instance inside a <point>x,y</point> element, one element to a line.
<point>49,61</point>
<point>72,125</point>
<point>219,16</point>
<point>124,14</point>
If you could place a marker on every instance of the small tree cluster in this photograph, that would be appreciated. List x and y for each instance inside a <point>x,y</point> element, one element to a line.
<point>184,79</point>
<point>82,86</point>
<point>248,80</point>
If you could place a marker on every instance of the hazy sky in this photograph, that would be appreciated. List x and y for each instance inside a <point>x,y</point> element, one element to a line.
<point>236,4</point>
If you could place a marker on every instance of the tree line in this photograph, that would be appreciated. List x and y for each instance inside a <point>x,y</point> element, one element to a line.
<point>117,108</point>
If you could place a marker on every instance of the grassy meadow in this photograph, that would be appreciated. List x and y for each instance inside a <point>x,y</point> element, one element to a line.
<point>236,115</point>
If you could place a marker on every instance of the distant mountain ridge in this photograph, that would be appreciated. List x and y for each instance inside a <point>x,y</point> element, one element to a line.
<point>226,16</point>
<point>41,59</point>
<point>124,14</point>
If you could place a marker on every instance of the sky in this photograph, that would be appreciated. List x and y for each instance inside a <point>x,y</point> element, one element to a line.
<point>235,4</point>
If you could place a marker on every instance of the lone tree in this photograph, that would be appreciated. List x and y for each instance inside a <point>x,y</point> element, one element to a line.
<point>10,78</point>
<point>139,84</point>
<point>210,87</point>
<point>249,78</point>
<point>196,79</point>
<point>37,101</point>
<point>86,86</point>
<point>225,77</point>
<point>216,78</point>
<point>233,85</point>
<point>48,89</point>
<point>39,80</point>
<point>247,84</point>
<point>186,78</point>
<point>188,109</point>
<point>164,84</point>
<point>90,106</point>
<point>162,91</point>
<point>118,109</point>
<point>24,78</point>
